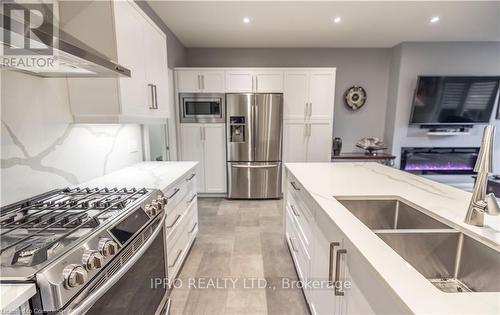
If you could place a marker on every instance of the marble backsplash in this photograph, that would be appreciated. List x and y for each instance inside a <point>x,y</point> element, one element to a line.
<point>41,147</point>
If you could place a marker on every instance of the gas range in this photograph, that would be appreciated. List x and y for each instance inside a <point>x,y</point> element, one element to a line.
<point>63,239</point>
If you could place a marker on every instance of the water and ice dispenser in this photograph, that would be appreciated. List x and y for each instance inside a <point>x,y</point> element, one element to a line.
<point>237,129</point>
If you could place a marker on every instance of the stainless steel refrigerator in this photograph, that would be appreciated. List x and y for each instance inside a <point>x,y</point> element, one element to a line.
<point>254,144</point>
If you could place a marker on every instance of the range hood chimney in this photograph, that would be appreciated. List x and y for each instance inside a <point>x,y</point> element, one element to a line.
<point>73,58</point>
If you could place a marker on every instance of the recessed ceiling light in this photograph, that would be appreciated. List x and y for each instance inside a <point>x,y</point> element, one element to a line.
<point>435,19</point>
<point>246,20</point>
<point>337,19</point>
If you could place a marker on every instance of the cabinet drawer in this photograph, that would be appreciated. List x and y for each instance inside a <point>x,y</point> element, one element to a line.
<point>177,219</point>
<point>302,219</point>
<point>176,254</point>
<point>192,221</point>
<point>179,191</point>
<point>300,255</point>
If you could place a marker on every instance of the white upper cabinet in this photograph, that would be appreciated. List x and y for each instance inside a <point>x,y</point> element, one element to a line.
<point>200,81</point>
<point>140,46</point>
<point>309,95</point>
<point>251,80</point>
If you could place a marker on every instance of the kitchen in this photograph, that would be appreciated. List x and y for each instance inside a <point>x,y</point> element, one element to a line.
<point>214,167</point>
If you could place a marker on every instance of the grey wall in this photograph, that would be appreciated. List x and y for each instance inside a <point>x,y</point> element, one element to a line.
<point>175,50</point>
<point>413,59</point>
<point>366,67</point>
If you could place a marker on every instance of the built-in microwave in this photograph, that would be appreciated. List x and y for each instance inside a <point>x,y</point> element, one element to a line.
<point>202,108</point>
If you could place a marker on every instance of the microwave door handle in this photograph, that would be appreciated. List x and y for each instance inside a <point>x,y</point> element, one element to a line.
<point>89,301</point>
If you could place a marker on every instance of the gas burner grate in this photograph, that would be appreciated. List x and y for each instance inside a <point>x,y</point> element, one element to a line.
<point>67,210</point>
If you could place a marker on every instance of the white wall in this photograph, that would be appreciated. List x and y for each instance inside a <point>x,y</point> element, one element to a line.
<point>42,149</point>
<point>413,59</point>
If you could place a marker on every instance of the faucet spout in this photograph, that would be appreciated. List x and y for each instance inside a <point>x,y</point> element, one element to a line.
<point>480,202</point>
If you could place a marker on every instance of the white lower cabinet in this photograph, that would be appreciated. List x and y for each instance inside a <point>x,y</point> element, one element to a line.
<point>307,142</point>
<point>341,279</point>
<point>206,144</point>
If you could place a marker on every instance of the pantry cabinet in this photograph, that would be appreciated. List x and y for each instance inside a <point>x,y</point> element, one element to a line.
<point>139,45</point>
<point>307,142</point>
<point>254,81</point>
<point>200,81</point>
<point>206,143</point>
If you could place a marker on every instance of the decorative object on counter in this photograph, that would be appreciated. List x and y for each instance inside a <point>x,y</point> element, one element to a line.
<point>355,97</point>
<point>371,145</point>
<point>337,146</point>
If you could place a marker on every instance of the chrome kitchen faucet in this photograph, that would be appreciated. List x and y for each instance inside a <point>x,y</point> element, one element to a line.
<point>480,202</point>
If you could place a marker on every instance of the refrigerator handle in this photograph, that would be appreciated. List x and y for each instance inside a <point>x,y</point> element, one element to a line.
<point>254,166</point>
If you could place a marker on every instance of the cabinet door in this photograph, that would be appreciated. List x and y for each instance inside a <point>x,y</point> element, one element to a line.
<point>192,150</point>
<point>156,70</point>
<point>188,81</point>
<point>321,95</point>
<point>319,146</point>
<point>212,81</point>
<point>214,136</point>
<point>296,94</point>
<point>269,81</point>
<point>130,51</point>
<point>295,142</point>
<point>239,81</point>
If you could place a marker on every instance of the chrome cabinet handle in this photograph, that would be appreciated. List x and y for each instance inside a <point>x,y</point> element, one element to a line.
<point>306,109</point>
<point>194,227</point>
<point>293,245</point>
<point>155,97</point>
<point>175,222</point>
<point>151,87</point>
<point>190,177</point>
<point>190,200</point>
<point>310,109</point>
<point>201,133</point>
<point>204,134</point>
<point>199,82</point>
<point>294,211</point>
<point>330,262</point>
<point>174,193</point>
<point>202,81</point>
<point>256,83</point>
<point>176,258</point>
<point>336,290</point>
<point>294,185</point>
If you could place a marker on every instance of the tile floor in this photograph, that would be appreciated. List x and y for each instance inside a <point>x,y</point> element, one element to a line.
<point>239,244</point>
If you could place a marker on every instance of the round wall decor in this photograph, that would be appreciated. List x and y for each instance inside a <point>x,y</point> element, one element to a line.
<point>355,97</point>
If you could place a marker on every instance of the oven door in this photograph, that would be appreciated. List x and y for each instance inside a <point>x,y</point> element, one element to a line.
<point>127,285</point>
<point>202,108</point>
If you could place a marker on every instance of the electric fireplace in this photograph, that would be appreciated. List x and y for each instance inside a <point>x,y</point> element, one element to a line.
<point>428,161</point>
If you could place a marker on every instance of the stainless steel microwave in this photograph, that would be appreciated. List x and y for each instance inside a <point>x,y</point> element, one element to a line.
<point>202,108</point>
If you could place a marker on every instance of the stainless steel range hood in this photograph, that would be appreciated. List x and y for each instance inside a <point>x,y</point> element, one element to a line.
<point>74,58</point>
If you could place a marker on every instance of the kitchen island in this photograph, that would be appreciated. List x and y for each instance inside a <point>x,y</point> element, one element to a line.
<point>328,241</point>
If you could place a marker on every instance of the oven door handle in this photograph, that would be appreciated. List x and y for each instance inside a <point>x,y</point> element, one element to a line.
<point>90,300</point>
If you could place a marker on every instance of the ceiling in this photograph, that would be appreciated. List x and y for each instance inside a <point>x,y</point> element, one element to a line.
<point>311,23</point>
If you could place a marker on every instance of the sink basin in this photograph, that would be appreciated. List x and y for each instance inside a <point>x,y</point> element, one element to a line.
<point>380,214</point>
<point>449,259</point>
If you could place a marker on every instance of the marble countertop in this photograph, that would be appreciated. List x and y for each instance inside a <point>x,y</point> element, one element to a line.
<point>323,181</point>
<point>159,175</point>
<point>14,295</point>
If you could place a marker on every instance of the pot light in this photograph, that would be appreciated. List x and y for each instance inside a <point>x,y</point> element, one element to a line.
<point>337,19</point>
<point>246,20</point>
<point>435,19</point>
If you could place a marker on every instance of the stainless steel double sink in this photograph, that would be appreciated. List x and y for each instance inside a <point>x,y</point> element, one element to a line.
<point>449,259</point>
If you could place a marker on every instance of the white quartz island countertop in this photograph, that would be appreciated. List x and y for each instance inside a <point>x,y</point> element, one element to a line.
<point>159,175</point>
<point>323,181</point>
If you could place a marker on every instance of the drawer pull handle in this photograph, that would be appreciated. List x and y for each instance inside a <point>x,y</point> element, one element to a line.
<point>176,258</point>
<point>190,200</point>
<point>294,185</point>
<point>293,245</point>
<point>194,227</point>
<point>190,177</point>
<point>337,291</point>
<point>174,193</point>
<point>330,263</point>
<point>294,211</point>
<point>175,222</point>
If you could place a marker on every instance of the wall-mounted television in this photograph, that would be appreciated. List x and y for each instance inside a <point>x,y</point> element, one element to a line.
<point>454,100</point>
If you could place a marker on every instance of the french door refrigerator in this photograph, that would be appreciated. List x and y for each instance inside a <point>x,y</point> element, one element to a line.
<point>254,144</point>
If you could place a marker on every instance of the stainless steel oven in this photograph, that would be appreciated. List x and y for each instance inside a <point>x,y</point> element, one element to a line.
<point>202,108</point>
<point>134,282</point>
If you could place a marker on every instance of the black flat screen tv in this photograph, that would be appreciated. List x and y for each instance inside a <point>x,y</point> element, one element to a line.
<point>454,100</point>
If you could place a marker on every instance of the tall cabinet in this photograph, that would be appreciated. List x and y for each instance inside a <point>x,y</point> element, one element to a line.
<point>309,98</point>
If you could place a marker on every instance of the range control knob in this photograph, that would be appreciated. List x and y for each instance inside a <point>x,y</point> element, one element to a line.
<point>162,200</point>
<point>107,247</point>
<point>92,259</point>
<point>158,204</point>
<point>150,210</point>
<point>74,275</point>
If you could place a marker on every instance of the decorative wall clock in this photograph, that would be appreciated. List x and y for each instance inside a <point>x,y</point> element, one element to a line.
<point>355,97</point>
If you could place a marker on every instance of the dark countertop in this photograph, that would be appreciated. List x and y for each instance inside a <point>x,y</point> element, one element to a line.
<point>363,156</point>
